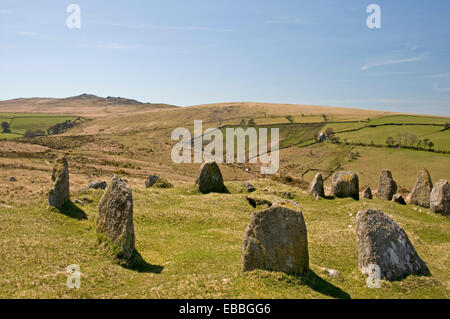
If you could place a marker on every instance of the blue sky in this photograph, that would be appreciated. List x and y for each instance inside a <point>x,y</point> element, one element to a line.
<point>205,51</point>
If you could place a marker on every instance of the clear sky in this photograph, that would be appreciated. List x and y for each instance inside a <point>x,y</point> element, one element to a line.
<point>204,51</point>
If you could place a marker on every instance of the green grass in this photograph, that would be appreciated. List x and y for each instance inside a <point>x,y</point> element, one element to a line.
<point>192,246</point>
<point>401,119</point>
<point>20,123</point>
<point>379,134</point>
<point>403,163</point>
<point>339,127</point>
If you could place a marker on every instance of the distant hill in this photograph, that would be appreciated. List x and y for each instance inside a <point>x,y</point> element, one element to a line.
<point>83,105</point>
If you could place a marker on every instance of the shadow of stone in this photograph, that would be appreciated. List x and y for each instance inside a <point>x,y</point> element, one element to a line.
<point>329,197</point>
<point>316,283</point>
<point>223,191</point>
<point>137,263</point>
<point>73,211</point>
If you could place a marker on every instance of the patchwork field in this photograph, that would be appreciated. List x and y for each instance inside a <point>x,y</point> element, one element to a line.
<point>21,123</point>
<point>191,242</point>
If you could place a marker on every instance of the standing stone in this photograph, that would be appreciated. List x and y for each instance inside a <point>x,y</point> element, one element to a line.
<point>151,180</point>
<point>316,188</point>
<point>249,187</point>
<point>345,184</point>
<point>276,240</point>
<point>59,193</point>
<point>440,198</point>
<point>421,192</point>
<point>387,186</point>
<point>115,216</point>
<point>381,241</point>
<point>368,193</point>
<point>210,179</point>
<point>399,199</point>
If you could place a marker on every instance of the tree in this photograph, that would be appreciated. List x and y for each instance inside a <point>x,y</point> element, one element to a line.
<point>5,127</point>
<point>412,139</point>
<point>390,141</point>
<point>430,145</point>
<point>325,119</point>
<point>251,121</point>
<point>316,135</point>
<point>329,132</point>
<point>29,134</point>
<point>447,125</point>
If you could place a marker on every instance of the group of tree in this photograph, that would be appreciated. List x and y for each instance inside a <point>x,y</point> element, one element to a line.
<point>409,140</point>
<point>33,133</point>
<point>6,127</point>
<point>60,128</point>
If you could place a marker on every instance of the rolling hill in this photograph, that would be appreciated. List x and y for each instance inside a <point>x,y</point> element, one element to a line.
<point>191,241</point>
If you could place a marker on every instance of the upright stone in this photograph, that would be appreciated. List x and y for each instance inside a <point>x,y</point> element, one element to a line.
<point>368,193</point>
<point>276,240</point>
<point>382,242</point>
<point>345,184</point>
<point>115,216</point>
<point>210,179</point>
<point>59,193</point>
<point>387,186</point>
<point>316,188</point>
<point>440,198</point>
<point>421,192</point>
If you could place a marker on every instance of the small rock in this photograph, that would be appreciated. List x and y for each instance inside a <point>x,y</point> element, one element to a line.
<point>98,185</point>
<point>287,195</point>
<point>249,187</point>
<point>334,273</point>
<point>12,179</point>
<point>79,202</point>
<point>151,180</point>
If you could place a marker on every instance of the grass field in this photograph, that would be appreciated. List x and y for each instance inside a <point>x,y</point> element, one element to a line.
<point>20,123</point>
<point>402,119</point>
<point>378,135</point>
<point>191,243</point>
